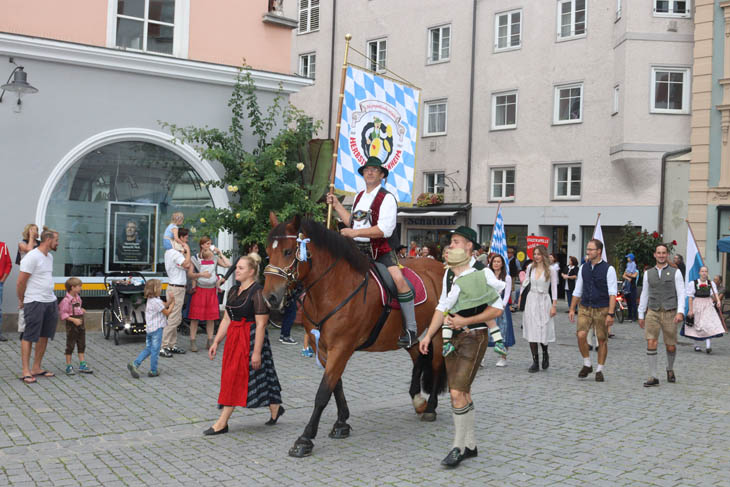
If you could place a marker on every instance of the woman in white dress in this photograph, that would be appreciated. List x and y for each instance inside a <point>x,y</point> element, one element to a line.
<point>537,323</point>
<point>703,297</point>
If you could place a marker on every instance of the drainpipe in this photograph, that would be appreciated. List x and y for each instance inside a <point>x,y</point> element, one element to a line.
<point>471,108</point>
<point>332,73</point>
<point>666,156</point>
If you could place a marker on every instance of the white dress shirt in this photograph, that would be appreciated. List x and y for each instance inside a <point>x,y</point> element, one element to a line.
<point>678,287</point>
<point>611,281</point>
<point>488,275</point>
<point>386,218</point>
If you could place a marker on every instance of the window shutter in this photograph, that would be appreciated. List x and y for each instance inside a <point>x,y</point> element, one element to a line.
<point>303,16</point>
<point>314,16</point>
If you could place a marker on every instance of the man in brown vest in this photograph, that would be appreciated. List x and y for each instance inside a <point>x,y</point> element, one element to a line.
<point>663,294</point>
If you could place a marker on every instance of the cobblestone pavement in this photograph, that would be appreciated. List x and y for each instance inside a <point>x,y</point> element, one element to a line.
<point>548,428</point>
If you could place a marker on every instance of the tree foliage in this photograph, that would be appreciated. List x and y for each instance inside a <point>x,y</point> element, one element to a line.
<point>277,175</point>
<point>640,243</point>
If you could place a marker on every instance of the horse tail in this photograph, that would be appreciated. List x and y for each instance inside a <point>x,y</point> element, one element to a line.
<point>425,364</point>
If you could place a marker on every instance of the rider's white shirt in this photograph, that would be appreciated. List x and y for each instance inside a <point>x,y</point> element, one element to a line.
<point>386,219</point>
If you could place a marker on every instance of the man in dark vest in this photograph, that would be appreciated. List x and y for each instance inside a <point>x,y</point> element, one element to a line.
<point>663,294</point>
<point>595,292</point>
<point>372,224</point>
<point>461,367</point>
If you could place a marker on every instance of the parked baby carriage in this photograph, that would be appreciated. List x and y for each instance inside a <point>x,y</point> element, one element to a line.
<point>125,311</point>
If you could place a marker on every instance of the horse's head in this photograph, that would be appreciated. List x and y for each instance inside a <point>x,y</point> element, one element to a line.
<point>285,267</point>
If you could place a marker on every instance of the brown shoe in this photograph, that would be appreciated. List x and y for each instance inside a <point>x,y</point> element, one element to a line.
<point>599,376</point>
<point>585,371</point>
<point>670,376</point>
<point>193,346</point>
<point>651,382</point>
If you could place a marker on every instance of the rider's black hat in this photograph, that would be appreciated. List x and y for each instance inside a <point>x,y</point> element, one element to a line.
<point>373,162</point>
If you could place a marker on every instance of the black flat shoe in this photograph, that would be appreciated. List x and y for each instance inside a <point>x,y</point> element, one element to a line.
<point>469,453</point>
<point>279,414</point>
<point>211,432</point>
<point>453,459</point>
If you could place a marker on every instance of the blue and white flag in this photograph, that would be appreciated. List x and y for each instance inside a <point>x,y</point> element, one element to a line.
<point>694,260</point>
<point>499,239</point>
<point>379,119</point>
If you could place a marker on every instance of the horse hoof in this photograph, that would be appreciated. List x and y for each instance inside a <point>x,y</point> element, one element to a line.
<point>340,430</point>
<point>302,448</point>
<point>419,404</point>
<point>428,417</point>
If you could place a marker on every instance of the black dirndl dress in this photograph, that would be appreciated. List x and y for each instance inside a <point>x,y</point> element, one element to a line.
<point>241,385</point>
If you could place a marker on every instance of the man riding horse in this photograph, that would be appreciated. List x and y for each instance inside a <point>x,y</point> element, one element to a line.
<point>371,225</point>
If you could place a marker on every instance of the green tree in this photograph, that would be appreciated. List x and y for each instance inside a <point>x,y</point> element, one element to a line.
<point>640,243</point>
<point>286,172</point>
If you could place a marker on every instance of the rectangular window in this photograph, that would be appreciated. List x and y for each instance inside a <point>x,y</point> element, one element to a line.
<point>616,93</point>
<point>308,16</point>
<point>503,184</point>
<point>567,181</point>
<point>672,8</point>
<point>571,18</point>
<point>439,44</point>
<point>504,110</point>
<point>568,104</point>
<point>508,30</point>
<point>434,182</point>
<point>436,118</point>
<point>670,90</point>
<point>376,54</point>
<point>307,63</point>
<point>146,25</point>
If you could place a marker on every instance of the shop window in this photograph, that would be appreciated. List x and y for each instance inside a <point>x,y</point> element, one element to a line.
<point>94,202</point>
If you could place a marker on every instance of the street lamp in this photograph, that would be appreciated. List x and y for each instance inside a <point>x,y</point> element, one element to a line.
<point>19,84</point>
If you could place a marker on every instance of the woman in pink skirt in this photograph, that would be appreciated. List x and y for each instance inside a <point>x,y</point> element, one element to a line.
<point>703,297</point>
<point>204,301</point>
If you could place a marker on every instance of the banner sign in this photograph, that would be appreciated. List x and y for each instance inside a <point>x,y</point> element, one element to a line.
<point>131,237</point>
<point>533,241</point>
<point>379,119</point>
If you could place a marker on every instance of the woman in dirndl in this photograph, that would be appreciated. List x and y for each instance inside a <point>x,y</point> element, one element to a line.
<point>248,376</point>
<point>702,294</point>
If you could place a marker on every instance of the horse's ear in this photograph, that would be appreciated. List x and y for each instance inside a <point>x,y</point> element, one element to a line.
<point>272,218</point>
<point>296,222</point>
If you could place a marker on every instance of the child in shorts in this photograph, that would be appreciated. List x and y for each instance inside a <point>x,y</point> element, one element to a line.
<point>72,313</point>
<point>170,234</point>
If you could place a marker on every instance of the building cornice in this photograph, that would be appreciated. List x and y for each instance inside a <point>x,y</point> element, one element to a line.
<point>637,147</point>
<point>654,37</point>
<point>142,63</point>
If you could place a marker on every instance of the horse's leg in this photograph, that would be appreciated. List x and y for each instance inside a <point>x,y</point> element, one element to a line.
<point>419,403</point>
<point>303,446</point>
<point>438,374</point>
<point>340,429</point>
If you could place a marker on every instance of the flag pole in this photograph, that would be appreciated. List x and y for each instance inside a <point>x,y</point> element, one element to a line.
<point>348,38</point>
<point>595,225</point>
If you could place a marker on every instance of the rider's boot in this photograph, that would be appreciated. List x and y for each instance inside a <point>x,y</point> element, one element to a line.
<point>410,329</point>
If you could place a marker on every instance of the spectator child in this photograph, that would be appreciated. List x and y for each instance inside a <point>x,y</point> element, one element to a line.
<point>72,313</point>
<point>170,235</point>
<point>156,319</point>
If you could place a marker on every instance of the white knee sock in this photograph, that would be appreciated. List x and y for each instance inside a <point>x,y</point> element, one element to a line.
<point>470,440</point>
<point>708,343</point>
<point>460,421</point>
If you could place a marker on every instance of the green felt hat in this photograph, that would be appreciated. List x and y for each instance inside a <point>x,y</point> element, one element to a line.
<point>373,162</point>
<point>467,233</point>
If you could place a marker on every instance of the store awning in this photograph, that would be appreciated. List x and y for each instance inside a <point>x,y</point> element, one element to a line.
<point>723,245</point>
<point>427,213</point>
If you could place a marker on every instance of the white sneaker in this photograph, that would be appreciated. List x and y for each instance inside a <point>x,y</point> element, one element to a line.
<point>501,363</point>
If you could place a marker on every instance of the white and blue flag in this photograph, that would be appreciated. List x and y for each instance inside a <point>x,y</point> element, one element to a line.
<point>498,244</point>
<point>694,260</point>
<point>379,119</point>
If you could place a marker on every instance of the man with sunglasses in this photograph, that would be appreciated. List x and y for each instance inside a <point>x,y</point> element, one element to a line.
<point>595,290</point>
<point>371,225</point>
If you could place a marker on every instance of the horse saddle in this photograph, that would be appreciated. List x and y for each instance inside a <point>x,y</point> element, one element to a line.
<point>386,284</point>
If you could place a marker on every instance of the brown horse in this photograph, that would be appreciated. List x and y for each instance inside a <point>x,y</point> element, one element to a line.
<point>343,304</point>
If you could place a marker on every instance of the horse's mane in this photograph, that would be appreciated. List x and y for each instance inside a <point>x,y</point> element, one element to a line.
<point>332,242</point>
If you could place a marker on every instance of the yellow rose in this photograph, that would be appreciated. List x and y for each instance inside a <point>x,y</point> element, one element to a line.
<point>202,220</point>
<point>300,166</point>
<point>230,188</point>
<point>193,229</point>
<point>238,215</point>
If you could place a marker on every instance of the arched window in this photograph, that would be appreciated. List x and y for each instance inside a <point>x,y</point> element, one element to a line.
<point>112,206</point>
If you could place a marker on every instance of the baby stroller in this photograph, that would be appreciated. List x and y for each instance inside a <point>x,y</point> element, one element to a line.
<point>125,311</point>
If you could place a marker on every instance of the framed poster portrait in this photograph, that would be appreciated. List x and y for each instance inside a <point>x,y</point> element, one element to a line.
<point>131,237</point>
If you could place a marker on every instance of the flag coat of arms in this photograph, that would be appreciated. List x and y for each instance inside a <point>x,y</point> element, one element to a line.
<point>379,119</point>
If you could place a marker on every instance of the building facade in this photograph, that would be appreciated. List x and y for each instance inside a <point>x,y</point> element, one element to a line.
<point>88,154</point>
<point>709,175</point>
<point>557,110</point>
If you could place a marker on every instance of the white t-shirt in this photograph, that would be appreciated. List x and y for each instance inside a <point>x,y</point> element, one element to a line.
<point>386,218</point>
<point>173,266</point>
<point>40,282</point>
